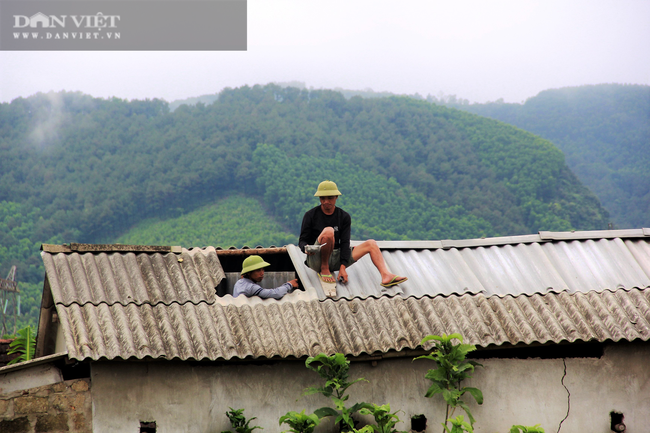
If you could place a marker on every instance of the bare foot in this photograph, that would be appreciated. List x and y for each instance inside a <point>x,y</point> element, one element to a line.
<point>327,278</point>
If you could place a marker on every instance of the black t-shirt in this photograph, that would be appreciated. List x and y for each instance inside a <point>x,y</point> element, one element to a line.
<point>315,221</point>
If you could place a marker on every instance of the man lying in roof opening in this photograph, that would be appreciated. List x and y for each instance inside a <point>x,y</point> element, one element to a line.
<point>325,238</point>
<point>252,273</point>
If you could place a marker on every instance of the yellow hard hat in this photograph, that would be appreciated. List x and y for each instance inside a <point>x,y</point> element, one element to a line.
<point>327,188</point>
<point>253,263</point>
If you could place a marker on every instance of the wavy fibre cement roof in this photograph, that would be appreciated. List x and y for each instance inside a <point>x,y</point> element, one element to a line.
<point>140,278</point>
<point>270,329</point>
<point>505,290</point>
<point>499,266</point>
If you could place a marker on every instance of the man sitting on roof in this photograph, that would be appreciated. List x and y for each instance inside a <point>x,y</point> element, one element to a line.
<point>325,238</point>
<point>252,273</point>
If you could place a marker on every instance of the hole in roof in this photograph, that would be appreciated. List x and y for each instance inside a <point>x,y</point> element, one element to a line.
<point>280,271</point>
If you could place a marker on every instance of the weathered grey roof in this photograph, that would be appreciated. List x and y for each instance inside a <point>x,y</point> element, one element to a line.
<point>519,290</point>
<point>268,329</point>
<point>138,278</point>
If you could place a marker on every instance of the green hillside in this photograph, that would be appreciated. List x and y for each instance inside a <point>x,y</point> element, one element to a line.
<point>603,130</point>
<point>243,169</point>
<point>234,221</point>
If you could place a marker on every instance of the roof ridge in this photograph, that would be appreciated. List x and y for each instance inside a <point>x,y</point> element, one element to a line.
<point>540,237</point>
<point>105,248</point>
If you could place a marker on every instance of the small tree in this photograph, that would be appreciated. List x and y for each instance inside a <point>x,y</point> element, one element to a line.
<point>459,425</point>
<point>300,422</point>
<point>451,371</point>
<point>238,421</point>
<point>334,369</point>
<point>383,417</point>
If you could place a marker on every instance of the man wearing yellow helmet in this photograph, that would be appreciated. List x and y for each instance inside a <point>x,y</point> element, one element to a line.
<point>325,238</point>
<point>252,273</point>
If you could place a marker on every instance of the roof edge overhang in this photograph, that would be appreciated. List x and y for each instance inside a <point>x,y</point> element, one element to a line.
<point>33,362</point>
<point>490,351</point>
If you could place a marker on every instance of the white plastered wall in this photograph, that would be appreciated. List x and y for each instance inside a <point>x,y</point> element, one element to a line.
<point>193,397</point>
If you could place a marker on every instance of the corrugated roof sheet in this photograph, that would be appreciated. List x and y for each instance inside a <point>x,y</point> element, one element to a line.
<point>137,305</point>
<point>268,329</point>
<point>124,278</point>
<point>500,266</point>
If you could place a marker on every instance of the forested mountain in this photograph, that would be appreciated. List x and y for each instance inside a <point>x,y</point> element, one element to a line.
<point>603,130</point>
<point>233,221</point>
<point>80,169</point>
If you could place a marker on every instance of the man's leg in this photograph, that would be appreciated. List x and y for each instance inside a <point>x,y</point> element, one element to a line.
<point>371,247</point>
<point>326,239</point>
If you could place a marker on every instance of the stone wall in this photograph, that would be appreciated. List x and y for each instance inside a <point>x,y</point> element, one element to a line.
<point>60,407</point>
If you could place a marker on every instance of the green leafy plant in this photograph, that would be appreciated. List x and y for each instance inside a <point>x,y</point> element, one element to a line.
<point>300,422</point>
<point>459,425</point>
<point>334,369</point>
<point>523,429</point>
<point>25,344</point>
<point>383,417</point>
<point>238,421</point>
<point>451,370</point>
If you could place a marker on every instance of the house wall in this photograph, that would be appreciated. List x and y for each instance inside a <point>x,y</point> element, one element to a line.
<point>62,406</point>
<point>193,397</point>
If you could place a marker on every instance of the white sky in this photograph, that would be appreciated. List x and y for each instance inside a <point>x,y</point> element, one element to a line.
<point>478,50</point>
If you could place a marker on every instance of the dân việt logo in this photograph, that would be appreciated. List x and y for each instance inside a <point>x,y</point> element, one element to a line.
<point>40,20</point>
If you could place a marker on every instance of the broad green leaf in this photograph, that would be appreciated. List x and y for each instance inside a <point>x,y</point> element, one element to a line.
<point>25,344</point>
<point>433,390</point>
<point>449,397</point>
<point>467,411</point>
<point>429,338</point>
<point>476,393</point>
<point>325,411</point>
<point>358,406</point>
<point>437,375</point>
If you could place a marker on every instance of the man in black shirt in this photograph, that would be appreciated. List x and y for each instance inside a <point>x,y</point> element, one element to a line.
<point>325,238</point>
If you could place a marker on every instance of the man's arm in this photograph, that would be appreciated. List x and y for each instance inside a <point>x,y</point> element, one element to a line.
<point>277,293</point>
<point>250,289</point>
<point>343,274</point>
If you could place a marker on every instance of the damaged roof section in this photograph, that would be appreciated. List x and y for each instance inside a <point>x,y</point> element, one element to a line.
<point>515,290</point>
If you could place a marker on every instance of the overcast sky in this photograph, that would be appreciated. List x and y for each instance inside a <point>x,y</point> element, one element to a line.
<point>478,50</point>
